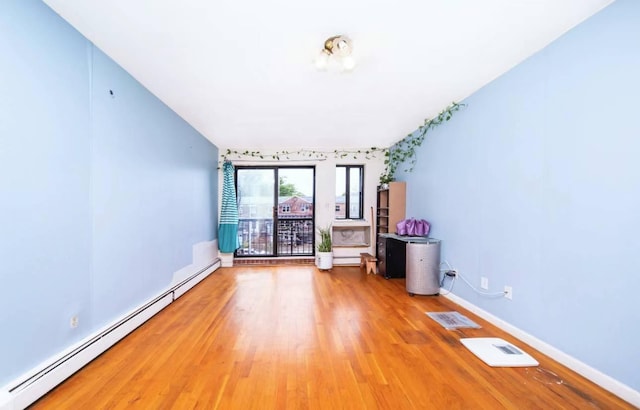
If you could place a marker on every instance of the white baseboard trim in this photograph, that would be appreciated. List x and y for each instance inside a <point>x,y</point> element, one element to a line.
<point>32,385</point>
<point>227,260</point>
<point>346,260</point>
<point>606,382</point>
<point>182,287</point>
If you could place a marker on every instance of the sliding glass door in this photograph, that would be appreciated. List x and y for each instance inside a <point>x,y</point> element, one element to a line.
<point>276,211</point>
<point>255,210</point>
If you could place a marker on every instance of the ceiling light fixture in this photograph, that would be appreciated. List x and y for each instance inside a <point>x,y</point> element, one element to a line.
<point>337,51</point>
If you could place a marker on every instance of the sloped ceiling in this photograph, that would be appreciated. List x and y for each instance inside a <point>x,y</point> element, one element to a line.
<point>241,71</point>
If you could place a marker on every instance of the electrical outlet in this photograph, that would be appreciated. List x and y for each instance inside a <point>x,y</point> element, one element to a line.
<point>73,323</point>
<point>484,283</point>
<point>508,292</point>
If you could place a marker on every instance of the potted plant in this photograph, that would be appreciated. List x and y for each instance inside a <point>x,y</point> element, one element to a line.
<point>324,259</point>
<point>385,179</point>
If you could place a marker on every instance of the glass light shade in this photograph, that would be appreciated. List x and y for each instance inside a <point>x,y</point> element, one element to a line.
<point>322,60</point>
<point>348,63</point>
<point>336,55</point>
<point>341,47</point>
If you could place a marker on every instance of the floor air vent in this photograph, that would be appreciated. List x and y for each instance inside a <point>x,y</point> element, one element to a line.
<point>452,320</point>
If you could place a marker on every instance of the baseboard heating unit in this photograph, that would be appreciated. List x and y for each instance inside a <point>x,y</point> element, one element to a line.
<point>29,388</point>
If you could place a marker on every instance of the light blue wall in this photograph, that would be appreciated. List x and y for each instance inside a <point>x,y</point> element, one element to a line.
<point>536,184</point>
<point>154,183</point>
<point>101,196</point>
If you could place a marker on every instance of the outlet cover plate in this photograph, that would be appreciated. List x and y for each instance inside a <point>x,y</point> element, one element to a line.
<point>508,292</point>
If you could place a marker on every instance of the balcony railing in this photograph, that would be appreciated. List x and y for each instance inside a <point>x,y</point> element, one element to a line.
<point>256,237</point>
<point>295,237</point>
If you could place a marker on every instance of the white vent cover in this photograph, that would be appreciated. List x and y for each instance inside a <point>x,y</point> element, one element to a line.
<point>498,353</point>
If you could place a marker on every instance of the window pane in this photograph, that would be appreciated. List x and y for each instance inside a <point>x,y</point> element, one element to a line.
<point>341,192</point>
<point>355,189</point>
<point>349,204</point>
<point>295,211</point>
<point>295,192</point>
<point>255,193</point>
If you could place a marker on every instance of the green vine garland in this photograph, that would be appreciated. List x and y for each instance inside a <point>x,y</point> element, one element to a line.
<point>400,152</point>
<point>405,149</point>
<point>304,153</point>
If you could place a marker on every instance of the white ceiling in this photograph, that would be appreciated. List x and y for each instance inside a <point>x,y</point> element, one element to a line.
<point>241,71</point>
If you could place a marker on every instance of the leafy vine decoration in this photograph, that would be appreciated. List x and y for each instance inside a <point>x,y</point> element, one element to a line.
<point>367,153</point>
<point>404,151</point>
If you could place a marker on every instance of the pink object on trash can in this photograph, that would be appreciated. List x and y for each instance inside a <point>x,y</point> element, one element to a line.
<point>413,227</point>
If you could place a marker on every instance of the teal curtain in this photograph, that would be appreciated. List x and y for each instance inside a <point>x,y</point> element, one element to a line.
<point>228,240</point>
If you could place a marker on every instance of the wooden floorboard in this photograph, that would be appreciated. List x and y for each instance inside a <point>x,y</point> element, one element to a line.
<point>295,337</point>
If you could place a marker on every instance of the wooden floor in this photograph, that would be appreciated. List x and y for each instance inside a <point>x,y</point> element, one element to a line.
<point>293,337</point>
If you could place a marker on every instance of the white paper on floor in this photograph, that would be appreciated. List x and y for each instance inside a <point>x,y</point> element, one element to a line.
<point>498,353</point>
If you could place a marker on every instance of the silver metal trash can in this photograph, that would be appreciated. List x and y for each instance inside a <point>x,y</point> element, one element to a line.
<point>423,267</point>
